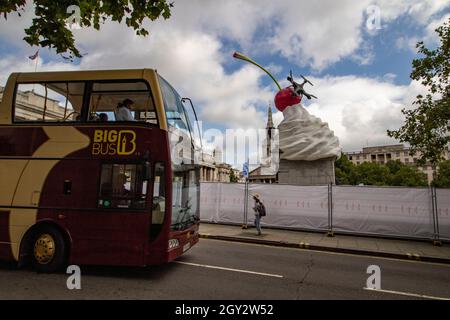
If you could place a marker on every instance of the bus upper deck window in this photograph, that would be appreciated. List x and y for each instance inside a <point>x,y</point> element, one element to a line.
<point>49,101</point>
<point>121,101</point>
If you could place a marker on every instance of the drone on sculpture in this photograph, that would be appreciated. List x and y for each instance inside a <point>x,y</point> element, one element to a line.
<point>298,88</point>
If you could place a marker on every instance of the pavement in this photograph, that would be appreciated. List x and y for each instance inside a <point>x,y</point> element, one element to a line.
<point>370,246</point>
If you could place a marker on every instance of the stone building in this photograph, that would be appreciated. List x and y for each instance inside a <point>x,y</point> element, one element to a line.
<point>29,106</point>
<point>383,154</point>
<point>213,169</point>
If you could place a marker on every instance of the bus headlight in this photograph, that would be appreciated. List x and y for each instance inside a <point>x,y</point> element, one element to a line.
<point>173,243</point>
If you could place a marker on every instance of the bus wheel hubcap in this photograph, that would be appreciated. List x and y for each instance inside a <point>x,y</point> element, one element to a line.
<point>44,248</point>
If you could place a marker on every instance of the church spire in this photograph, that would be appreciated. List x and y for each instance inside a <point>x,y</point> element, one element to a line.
<point>269,118</point>
<point>269,130</point>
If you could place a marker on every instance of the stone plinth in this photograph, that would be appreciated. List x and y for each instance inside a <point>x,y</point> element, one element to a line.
<point>307,173</point>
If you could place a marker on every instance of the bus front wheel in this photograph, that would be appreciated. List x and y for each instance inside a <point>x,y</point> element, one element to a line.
<point>49,250</point>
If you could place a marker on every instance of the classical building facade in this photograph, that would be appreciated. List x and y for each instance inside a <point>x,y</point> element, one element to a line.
<point>30,106</point>
<point>383,154</point>
<point>212,169</point>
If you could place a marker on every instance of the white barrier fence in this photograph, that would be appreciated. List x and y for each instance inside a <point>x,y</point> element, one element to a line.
<point>443,212</point>
<point>389,211</point>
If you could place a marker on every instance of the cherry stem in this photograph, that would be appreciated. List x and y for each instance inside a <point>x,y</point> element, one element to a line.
<point>240,56</point>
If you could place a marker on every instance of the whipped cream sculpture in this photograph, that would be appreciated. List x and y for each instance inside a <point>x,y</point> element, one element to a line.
<point>305,137</point>
<point>301,136</point>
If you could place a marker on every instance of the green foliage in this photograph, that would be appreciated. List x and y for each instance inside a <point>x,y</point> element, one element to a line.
<point>50,27</point>
<point>409,176</point>
<point>233,177</point>
<point>394,166</point>
<point>426,126</point>
<point>369,173</point>
<point>344,170</point>
<point>393,173</point>
<point>442,179</point>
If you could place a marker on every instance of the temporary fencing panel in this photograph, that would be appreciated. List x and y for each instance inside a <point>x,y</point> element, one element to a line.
<point>403,212</point>
<point>389,211</point>
<point>209,202</point>
<point>288,206</point>
<point>443,212</point>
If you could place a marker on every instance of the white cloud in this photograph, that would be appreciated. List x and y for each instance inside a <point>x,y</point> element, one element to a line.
<point>407,43</point>
<point>12,29</point>
<point>431,35</point>
<point>308,33</point>
<point>189,51</point>
<point>421,11</point>
<point>10,64</point>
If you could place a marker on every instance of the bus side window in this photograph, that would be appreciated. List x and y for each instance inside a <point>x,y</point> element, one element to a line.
<point>108,100</point>
<point>159,199</point>
<point>48,102</point>
<point>122,186</point>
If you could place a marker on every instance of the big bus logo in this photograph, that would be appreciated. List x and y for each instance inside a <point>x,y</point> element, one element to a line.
<point>113,142</point>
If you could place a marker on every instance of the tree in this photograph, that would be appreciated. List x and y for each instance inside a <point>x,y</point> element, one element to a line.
<point>233,177</point>
<point>393,173</point>
<point>344,169</point>
<point>426,127</point>
<point>408,176</point>
<point>369,173</point>
<point>51,26</point>
<point>394,166</point>
<point>442,179</point>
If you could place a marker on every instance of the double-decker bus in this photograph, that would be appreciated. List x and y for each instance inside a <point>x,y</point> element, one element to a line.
<point>80,183</point>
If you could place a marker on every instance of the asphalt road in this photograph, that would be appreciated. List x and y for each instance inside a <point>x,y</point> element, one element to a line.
<point>228,270</point>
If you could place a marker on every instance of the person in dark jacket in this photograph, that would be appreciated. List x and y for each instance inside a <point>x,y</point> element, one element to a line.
<point>258,207</point>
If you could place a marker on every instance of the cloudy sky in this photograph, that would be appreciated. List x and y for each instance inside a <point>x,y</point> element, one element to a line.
<point>360,74</point>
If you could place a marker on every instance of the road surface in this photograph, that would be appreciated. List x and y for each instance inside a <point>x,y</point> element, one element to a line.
<point>228,270</point>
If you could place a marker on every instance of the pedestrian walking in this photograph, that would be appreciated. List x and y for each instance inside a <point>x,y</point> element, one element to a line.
<point>260,211</point>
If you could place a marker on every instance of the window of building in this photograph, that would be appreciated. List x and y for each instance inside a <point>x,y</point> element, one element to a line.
<point>405,153</point>
<point>123,186</point>
<point>350,158</point>
<point>397,154</point>
<point>121,101</point>
<point>406,160</point>
<point>48,102</point>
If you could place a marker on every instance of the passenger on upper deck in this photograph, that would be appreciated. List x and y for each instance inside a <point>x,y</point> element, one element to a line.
<point>103,117</point>
<point>123,111</point>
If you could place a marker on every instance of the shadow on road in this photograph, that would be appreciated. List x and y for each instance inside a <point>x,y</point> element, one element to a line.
<point>124,272</point>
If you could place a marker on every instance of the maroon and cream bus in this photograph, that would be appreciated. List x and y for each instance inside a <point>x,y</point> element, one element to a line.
<point>96,167</point>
